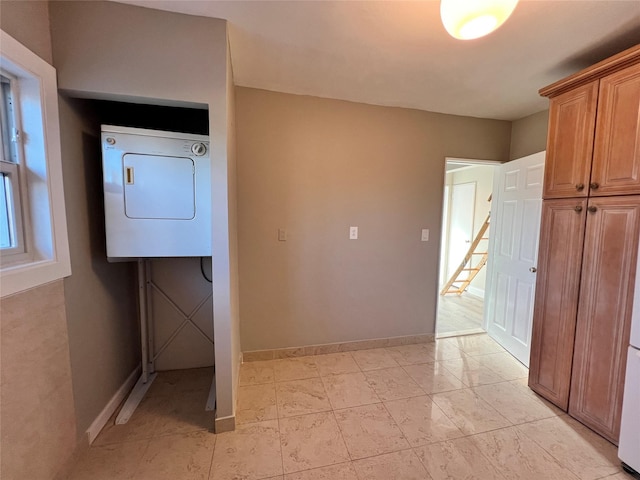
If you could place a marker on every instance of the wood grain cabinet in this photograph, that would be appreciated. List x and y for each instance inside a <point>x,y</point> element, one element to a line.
<point>589,242</point>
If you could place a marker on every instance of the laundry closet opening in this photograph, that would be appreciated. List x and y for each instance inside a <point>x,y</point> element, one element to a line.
<point>175,290</point>
<point>468,185</point>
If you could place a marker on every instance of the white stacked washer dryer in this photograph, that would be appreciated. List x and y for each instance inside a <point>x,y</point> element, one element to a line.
<point>629,446</point>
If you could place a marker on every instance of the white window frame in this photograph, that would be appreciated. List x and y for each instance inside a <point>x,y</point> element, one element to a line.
<point>12,168</point>
<point>46,257</point>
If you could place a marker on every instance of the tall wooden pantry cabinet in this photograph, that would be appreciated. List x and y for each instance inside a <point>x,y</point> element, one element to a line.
<point>589,242</point>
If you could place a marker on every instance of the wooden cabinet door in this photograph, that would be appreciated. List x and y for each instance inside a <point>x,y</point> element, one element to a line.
<point>604,312</point>
<point>616,156</point>
<point>572,118</point>
<point>556,301</point>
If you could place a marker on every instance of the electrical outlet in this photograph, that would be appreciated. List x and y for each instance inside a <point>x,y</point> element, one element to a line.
<point>425,235</point>
<point>353,233</point>
<point>282,235</point>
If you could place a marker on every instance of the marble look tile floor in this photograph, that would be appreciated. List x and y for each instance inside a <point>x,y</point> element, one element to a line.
<point>456,409</point>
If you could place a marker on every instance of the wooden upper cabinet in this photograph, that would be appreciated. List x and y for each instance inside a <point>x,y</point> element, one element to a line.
<point>616,156</point>
<point>604,312</point>
<point>556,302</point>
<point>572,119</point>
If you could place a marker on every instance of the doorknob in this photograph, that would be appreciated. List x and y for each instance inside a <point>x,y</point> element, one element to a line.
<point>533,269</point>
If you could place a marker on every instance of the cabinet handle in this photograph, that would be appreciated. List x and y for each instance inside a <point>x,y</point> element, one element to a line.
<point>580,187</point>
<point>533,269</point>
<point>578,208</point>
<point>594,185</point>
<point>592,209</point>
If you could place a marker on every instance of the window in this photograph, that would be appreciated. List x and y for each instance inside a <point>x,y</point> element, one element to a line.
<point>12,240</point>
<point>34,245</point>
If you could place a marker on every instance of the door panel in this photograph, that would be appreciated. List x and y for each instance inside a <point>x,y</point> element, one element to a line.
<point>557,288</point>
<point>463,200</point>
<point>513,246</point>
<point>572,118</point>
<point>604,313</point>
<point>616,157</point>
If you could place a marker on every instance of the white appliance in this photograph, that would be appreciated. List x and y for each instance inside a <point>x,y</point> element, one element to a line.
<point>157,193</point>
<point>629,446</point>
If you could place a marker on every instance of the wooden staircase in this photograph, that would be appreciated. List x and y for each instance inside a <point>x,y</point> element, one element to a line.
<point>457,285</point>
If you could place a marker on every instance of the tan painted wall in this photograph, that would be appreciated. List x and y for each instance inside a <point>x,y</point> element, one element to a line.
<point>28,22</point>
<point>38,434</point>
<point>315,167</point>
<point>142,63</point>
<point>529,135</point>
<point>100,296</point>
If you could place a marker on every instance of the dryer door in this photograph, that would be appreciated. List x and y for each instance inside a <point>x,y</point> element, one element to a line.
<point>158,187</point>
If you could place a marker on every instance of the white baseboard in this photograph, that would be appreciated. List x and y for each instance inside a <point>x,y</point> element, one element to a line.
<point>475,291</point>
<point>103,417</point>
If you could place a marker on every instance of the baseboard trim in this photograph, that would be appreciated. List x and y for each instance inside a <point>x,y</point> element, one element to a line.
<point>322,349</point>
<point>225,424</point>
<point>103,417</point>
<point>476,292</point>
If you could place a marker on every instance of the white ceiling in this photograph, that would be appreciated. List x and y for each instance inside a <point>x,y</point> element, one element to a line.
<point>398,53</point>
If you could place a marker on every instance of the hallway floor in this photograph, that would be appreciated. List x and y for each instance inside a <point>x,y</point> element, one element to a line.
<point>459,314</point>
<point>458,408</point>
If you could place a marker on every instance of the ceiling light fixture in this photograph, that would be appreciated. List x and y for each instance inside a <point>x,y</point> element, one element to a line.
<point>469,19</point>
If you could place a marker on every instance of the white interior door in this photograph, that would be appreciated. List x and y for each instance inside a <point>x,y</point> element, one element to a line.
<point>463,200</point>
<point>513,253</point>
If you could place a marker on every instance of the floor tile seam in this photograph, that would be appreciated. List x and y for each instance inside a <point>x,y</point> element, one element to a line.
<point>548,450</point>
<point>459,428</point>
<point>368,457</point>
<point>143,439</point>
<point>169,434</point>
<point>474,442</point>
<point>139,463</point>
<point>296,379</point>
<point>324,385</point>
<point>240,385</point>
<point>315,468</point>
<point>303,414</point>
<point>405,397</point>
<point>215,442</point>
<point>279,433</point>
<point>344,442</point>
<point>404,437</point>
<point>410,378</point>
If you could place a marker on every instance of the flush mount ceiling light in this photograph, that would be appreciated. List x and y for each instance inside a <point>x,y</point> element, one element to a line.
<point>469,19</point>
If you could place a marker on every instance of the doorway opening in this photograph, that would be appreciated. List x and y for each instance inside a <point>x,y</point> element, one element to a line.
<point>468,185</point>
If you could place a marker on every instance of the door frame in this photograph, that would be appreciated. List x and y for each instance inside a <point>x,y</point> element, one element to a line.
<point>470,162</point>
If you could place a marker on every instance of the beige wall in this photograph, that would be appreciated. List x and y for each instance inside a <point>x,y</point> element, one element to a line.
<point>100,297</point>
<point>28,22</point>
<point>529,135</point>
<point>315,167</point>
<point>38,434</point>
<point>161,58</point>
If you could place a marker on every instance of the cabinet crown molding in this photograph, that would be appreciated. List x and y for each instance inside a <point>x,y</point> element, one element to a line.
<point>607,66</point>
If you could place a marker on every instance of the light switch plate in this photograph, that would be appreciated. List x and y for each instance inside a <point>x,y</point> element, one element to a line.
<point>282,235</point>
<point>353,233</point>
<point>425,235</point>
